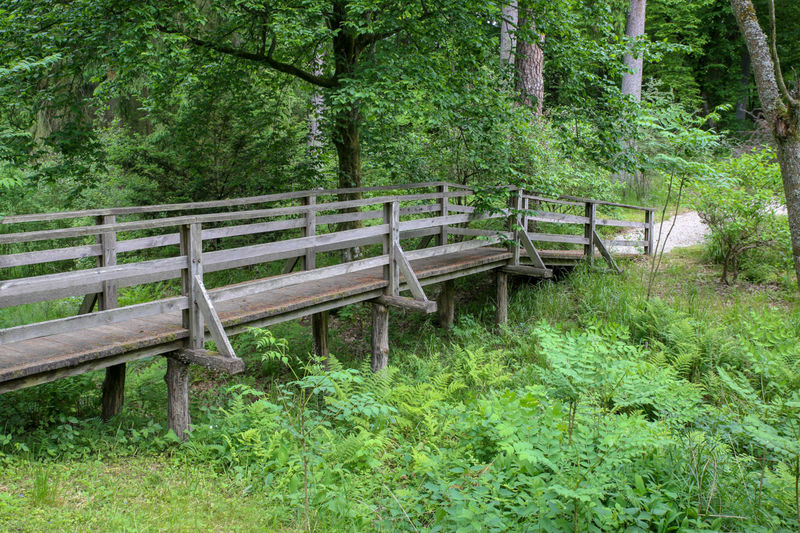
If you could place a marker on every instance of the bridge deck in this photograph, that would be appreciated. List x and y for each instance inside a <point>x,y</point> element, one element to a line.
<point>99,347</point>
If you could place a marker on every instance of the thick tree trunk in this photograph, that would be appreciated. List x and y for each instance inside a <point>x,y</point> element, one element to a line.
<point>530,65</point>
<point>508,27</point>
<point>782,111</point>
<point>632,81</point>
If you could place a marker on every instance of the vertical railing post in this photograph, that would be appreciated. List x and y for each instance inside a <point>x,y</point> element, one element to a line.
<point>514,222</point>
<point>590,212</point>
<point>310,259</point>
<point>444,203</point>
<point>192,248</point>
<point>391,216</point>
<point>114,382</point>
<point>649,216</point>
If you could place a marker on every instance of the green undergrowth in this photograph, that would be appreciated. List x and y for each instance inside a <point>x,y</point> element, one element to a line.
<point>592,410</point>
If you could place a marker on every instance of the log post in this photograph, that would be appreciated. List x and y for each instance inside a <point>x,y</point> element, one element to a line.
<point>319,328</point>
<point>310,259</point>
<point>514,207</point>
<point>114,382</point>
<point>649,220</point>
<point>444,202</point>
<point>502,297</point>
<point>588,231</point>
<point>380,337</point>
<point>177,378</point>
<point>447,304</point>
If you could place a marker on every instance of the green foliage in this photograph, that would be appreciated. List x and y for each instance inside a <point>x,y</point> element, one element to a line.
<point>737,201</point>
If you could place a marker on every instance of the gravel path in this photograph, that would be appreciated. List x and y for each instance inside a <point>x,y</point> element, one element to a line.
<point>688,231</point>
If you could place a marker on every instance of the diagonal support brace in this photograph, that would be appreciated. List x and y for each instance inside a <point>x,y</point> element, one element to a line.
<point>605,253</point>
<point>533,253</point>
<point>206,307</point>
<point>411,278</point>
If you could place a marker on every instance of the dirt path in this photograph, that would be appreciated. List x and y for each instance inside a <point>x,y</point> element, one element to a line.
<point>688,231</point>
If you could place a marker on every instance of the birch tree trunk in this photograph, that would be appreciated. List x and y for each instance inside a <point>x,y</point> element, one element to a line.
<point>508,27</point>
<point>530,64</point>
<point>632,81</point>
<point>781,109</point>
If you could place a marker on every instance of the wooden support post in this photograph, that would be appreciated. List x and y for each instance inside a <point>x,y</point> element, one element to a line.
<point>310,259</point>
<point>380,337</point>
<point>177,378</point>
<point>649,220</point>
<point>444,203</point>
<point>502,297</point>
<point>319,327</point>
<point>114,383</point>
<point>391,243</point>
<point>514,221</point>
<point>447,304</point>
<point>588,231</point>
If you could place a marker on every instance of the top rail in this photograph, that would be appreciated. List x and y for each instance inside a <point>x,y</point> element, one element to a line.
<point>233,202</point>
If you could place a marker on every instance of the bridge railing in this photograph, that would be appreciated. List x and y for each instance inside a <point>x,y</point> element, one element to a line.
<point>389,220</point>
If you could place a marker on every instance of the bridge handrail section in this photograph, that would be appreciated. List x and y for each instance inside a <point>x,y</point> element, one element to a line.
<point>440,218</point>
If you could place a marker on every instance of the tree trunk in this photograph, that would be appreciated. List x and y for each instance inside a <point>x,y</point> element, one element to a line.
<point>530,65</point>
<point>782,111</point>
<point>508,39</point>
<point>632,81</point>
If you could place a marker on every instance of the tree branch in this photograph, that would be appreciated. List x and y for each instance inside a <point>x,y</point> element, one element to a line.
<point>777,60</point>
<point>268,59</point>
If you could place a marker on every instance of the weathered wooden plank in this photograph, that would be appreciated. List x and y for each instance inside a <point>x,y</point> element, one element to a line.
<point>623,242</point>
<point>554,237</point>
<point>610,204</point>
<point>473,232</point>
<point>85,321</point>
<point>211,319</point>
<point>619,223</point>
<point>408,273</point>
<point>62,233</point>
<point>533,253</point>
<point>544,199</point>
<point>48,256</point>
<point>192,249</point>
<point>54,286</point>
<point>649,232</point>
<point>214,361</point>
<point>234,202</point>
<point>604,252</point>
<point>450,248</point>
<point>380,337</point>
<point>534,272</point>
<point>501,280</point>
<point>413,304</point>
<point>588,231</point>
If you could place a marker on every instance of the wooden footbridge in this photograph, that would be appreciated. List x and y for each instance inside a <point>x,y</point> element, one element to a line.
<point>408,236</point>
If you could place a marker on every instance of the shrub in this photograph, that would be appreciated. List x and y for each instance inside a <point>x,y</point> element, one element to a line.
<point>738,201</point>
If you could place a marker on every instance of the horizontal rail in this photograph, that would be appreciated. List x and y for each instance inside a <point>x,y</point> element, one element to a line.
<point>554,237</point>
<point>83,231</point>
<point>234,202</point>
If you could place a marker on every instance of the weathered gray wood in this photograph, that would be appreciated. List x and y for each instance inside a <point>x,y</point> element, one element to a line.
<point>177,379</point>
<point>605,253</point>
<point>450,248</point>
<point>408,273</point>
<point>319,330</point>
<point>588,231</point>
<point>113,389</point>
<point>48,256</point>
<point>447,304</point>
<point>211,319</point>
<point>412,304</point>
<point>554,237</point>
<point>556,218</point>
<point>83,231</point>
<point>54,286</point>
<point>234,202</point>
<point>288,267</point>
<point>649,220</point>
<point>84,321</point>
<point>473,232</point>
<point>243,290</point>
<point>212,360</point>
<point>380,337</point>
<point>87,306</point>
<point>610,204</point>
<point>533,253</point>
<point>443,205</point>
<point>391,217</point>
<point>501,280</point>
<point>619,223</point>
<point>456,208</point>
<point>533,272</point>
<point>425,241</point>
<point>192,249</point>
<point>310,229</point>
<point>552,200</point>
<point>623,242</point>
<point>515,224</point>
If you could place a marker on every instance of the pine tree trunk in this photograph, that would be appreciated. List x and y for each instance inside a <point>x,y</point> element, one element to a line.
<point>632,81</point>
<point>530,65</point>
<point>789,160</point>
